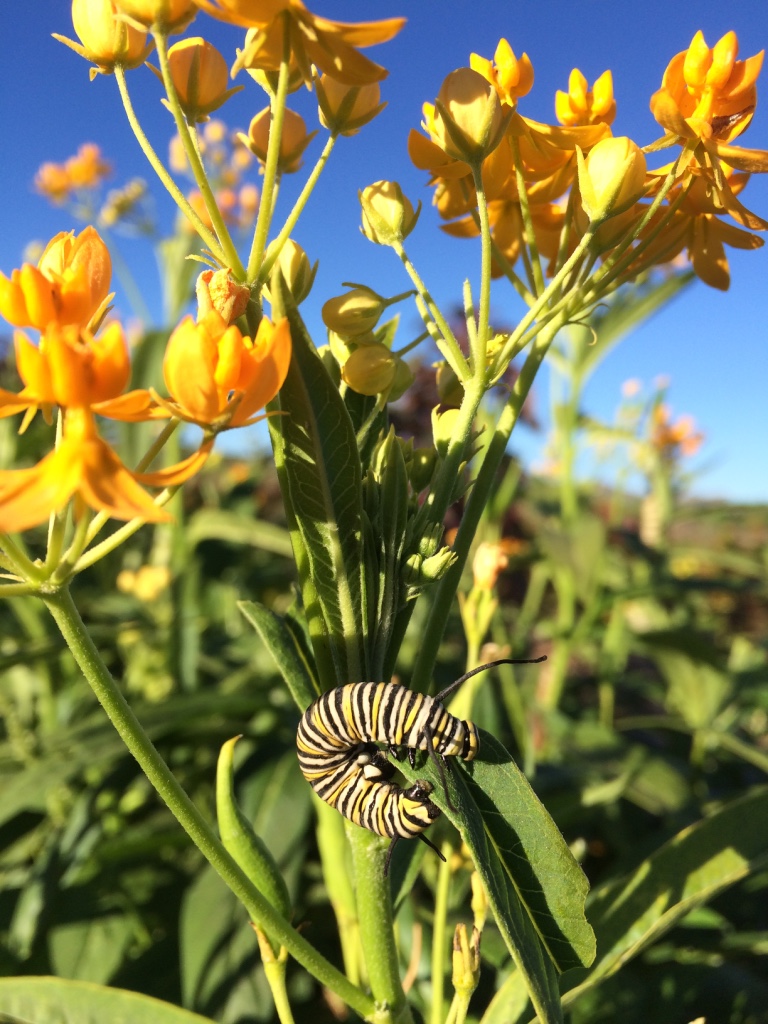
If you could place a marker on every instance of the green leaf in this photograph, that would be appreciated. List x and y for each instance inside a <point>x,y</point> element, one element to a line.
<point>630,913</point>
<point>286,650</point>
<point>233,528</point>
<point>535,887</point>
<point>319,467</point>
<point>60,1001</point>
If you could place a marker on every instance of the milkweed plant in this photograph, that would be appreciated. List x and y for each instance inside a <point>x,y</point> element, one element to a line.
<point>568,216</point>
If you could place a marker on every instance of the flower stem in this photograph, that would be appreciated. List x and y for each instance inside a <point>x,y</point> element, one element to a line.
<point>293,216</point>
<point>439,941</point>
<point>374,908</point>
<point>88,659</point>
<point>266,205</point>
<point>157,165</point>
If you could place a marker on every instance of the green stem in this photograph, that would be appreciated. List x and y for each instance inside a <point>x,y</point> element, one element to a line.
<point>298,208</point>
<point>430,313</point>
<point>87,657</point>
<point>747,753</point>
<point>277,116</point>
<point>226,245</point>
<point>157,165</point>
<point>473,511</point>
<point>480,346</point>
<point>275,974</point>
<point>525,210</point>
<point>439,938</point>
<point>374,910</point>
<point>22,565</point>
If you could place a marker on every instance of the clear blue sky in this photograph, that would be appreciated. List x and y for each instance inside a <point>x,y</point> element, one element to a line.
<point>713,346</point>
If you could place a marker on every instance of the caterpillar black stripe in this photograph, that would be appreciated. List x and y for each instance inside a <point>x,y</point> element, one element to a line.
<point>337,742</point>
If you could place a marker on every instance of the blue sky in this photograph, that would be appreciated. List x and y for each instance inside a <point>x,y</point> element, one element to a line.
<point>712,346</point>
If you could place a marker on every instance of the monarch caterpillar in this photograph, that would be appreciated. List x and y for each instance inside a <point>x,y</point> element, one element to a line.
<point>337,742</point>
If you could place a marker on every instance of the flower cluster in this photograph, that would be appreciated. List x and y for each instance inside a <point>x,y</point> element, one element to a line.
<point>216,378</point>
<point>547,185</point>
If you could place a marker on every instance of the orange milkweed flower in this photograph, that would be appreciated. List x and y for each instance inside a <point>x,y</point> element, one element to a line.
<point>672,439</point>
<point>344,109</point>
<point>83,466</point>
<point>52,181</point>
<point>169,15</point>
<point>330,45</point>
<point>707,93</point>
<point>72,369</point>
<point>87,169</point>
<point>219,379</point>
<point>68,286</point>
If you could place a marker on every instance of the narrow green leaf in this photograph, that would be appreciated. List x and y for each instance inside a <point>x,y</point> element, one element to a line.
<point>288,654</point>
<point>316,449</point>
<point>233,528</point>
<point>535,887</point>
<point>248,849</point>
<point>60,1001</point>
<point>694,866</point>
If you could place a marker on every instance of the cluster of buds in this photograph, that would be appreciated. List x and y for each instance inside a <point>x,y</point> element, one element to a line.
<point>579,178</point>
<point>364,353</point>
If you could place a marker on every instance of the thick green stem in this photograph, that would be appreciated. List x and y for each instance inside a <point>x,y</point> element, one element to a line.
<point>87,657</point>
<point>473,511</point>
<point>439,936</point>
<point>374,911</point>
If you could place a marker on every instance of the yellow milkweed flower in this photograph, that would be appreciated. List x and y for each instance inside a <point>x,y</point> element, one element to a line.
<point>581,105</point>
<point>105,39</point>
<point>219,379</point>
<point>512,78</point>
<point>200,76</point>
<point>69,285</point>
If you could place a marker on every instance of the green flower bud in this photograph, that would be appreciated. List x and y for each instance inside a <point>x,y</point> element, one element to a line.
<point>298,274</point>
<point>611,177</point>
<point>353,313</point>
<point>388,216</point>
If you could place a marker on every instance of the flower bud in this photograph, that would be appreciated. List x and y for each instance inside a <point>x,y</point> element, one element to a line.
<point>293,141</point>
<point>298,274</point>
<point>344,109</point>
<point>200,77</point>
<point>217,290</point>
<point>443,424</point>
<point>353,313</point>
<point>466,960</point>
<point>403,380</point>
<point>421,468</point>
<point>370,369</point>
<point>611,177</point>
<point>106,40</point>
<point>388,216</point>
<point>167,15</point>
<point>468,122</point>
<point>449,387</point>
<point>488,562</point>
